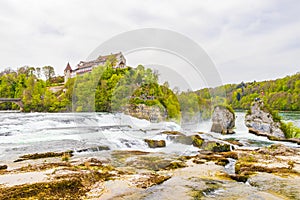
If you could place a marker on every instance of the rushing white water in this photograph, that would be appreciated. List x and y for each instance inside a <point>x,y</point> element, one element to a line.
<point>22,133</point>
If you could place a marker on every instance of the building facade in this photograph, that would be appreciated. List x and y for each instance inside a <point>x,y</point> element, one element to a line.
<point>117,60</point>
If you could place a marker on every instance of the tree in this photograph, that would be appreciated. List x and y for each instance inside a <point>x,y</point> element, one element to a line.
<point>48,72</point>
<point>38,72</point>
<point>238,96</point>
<point>31,71</point>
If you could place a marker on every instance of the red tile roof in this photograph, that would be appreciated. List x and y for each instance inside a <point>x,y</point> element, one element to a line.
<point>99,61</point>
<point>68,68</point>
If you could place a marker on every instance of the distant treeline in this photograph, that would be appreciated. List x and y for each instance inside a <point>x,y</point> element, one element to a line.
<point>280,94</point>
<point>106,89</point>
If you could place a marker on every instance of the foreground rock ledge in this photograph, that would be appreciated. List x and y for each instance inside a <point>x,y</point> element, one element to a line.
<point>130,174</point>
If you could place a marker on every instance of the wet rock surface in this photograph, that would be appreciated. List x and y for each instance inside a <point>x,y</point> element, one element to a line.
<point>287,187</point>
<point>271,172</point>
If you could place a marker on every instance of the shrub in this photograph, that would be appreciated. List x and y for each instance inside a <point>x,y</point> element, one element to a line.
<point>65,157</point>
<point>290,130</point>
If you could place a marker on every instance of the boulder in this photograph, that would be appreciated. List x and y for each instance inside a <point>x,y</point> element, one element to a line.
<point>155,143</point>
<point>216,146</point>
<point>223,120</point>
<point>260,121</point>
<point>3,167</point>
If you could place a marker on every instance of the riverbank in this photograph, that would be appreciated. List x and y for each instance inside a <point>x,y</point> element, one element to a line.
<point>237,174</point>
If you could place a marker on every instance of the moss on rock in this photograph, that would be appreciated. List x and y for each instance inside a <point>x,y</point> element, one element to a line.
<point>43,155</point>
<point>155,143</point>
<point>197,141</point>
<point>216,146</point>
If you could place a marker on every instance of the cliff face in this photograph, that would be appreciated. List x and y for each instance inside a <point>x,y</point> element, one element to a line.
<point>223,120</point>
<point>261,122</point>
<point>142,111</point>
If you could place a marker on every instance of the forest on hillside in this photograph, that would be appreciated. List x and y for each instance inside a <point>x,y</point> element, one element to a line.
<point>281,94</point>
<point>106,89</point>
<point>118,88</point>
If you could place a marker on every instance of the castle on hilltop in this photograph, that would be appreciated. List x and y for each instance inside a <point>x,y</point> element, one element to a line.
<point>117,60</point>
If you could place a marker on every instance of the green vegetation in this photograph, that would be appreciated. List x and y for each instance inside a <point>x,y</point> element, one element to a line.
<point>34,92</point>
<point>105,89</point>
<point>203,102</point>
<point>290,130</point>
<point>280,94</point>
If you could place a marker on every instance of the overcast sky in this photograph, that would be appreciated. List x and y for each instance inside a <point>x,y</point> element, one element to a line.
<point>246,39</point>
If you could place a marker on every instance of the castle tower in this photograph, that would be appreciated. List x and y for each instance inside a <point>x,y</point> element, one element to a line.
<point>67,72</point>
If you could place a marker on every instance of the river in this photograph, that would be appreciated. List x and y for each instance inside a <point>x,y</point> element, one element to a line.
<point>90,133</point>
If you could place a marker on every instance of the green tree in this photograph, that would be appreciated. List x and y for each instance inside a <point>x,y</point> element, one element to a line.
<point>48,72</point>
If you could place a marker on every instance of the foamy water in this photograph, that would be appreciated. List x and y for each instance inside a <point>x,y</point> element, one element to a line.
<point>23,133</point>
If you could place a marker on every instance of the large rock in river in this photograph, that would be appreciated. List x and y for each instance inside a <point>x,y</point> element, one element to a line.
<point>260,121</point>
<point>223,120</point>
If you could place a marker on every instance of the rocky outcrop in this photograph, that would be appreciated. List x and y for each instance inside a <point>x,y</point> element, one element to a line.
<point>223,120</point>
<point>152,113</point>
<point>260,121</point>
